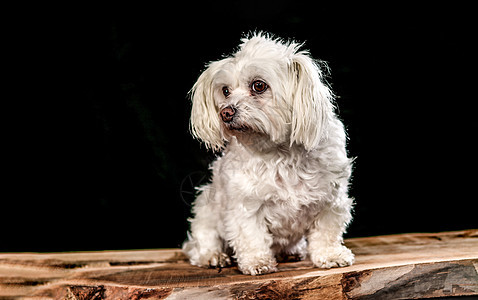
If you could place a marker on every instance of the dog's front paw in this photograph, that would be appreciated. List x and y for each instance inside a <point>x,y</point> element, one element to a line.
<point>219,260</point>
<point>258,266</point>
<point>332,257</point>
<point>211,260</point>
<point>216,259</point>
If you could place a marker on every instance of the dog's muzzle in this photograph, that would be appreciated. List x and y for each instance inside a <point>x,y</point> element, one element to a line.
<point>227,114</point>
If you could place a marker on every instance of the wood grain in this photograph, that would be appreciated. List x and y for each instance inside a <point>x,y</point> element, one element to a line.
<point>406,266</point>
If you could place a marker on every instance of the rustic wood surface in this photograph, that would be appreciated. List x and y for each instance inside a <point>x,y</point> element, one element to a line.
<point>406,266</point>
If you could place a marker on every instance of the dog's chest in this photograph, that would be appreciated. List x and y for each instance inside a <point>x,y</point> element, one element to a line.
<point>290,183</point>
<point>288,193</point>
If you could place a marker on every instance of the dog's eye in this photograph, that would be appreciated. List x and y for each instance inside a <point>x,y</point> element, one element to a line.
<point>259,86</point>
<point>225,91</point>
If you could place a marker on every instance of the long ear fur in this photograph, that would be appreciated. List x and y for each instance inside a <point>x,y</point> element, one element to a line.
<point>312,107</point>
<point>204,122</point>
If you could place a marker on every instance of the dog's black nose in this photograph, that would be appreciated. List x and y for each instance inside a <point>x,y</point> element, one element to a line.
<point>227,114</point>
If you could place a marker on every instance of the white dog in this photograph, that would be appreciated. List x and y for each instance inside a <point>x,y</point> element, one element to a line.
<point>280,186</point>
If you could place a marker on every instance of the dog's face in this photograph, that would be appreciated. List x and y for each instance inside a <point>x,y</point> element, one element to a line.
<point>248,93</point>
<point>266,90</point>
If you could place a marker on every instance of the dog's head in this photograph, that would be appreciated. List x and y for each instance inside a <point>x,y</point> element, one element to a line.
<point>269,89</point>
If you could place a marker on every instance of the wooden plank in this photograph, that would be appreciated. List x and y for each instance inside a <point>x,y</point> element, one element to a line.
<point>406,266</point>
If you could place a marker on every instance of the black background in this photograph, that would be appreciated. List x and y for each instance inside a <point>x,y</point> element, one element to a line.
<point>98,152</point>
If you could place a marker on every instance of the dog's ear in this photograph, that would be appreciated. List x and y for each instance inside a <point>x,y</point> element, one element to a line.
<point>204,122</point>
<point>312,107</point>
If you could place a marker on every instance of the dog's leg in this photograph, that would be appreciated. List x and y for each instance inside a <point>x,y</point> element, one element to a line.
<point>325,240</point>
<point>249,238</point>
<point>205,247</point>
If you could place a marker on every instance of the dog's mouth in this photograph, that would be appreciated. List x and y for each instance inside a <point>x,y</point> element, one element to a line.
<point>237,127</point>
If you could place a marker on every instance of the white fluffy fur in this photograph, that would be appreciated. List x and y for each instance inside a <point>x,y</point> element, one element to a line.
<point>280,186</point>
